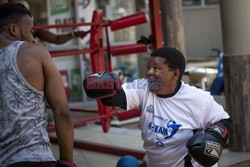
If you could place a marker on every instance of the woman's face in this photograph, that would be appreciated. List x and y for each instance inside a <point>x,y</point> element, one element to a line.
<point>162,79</point>
<point>26,28</point>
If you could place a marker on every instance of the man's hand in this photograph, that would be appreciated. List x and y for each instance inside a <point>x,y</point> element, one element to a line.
<point>80,34</point>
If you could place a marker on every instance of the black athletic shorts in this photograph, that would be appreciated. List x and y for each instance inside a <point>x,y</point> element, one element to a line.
<point>33,164</point>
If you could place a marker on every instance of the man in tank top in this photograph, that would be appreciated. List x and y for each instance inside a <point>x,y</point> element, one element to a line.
<point>27,76</point>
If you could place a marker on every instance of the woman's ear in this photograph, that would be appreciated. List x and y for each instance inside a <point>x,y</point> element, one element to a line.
<point>14,30</point>
<point>176,74</point>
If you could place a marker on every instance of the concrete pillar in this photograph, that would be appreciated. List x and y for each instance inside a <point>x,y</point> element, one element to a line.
<point>172,24</point>
<point>235,18</point>
<point>235,15</point>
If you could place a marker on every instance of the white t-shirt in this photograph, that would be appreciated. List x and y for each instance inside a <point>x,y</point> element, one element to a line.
<point>167,123</point>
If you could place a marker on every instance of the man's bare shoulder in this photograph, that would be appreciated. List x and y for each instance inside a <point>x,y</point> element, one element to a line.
<point>35,50</point>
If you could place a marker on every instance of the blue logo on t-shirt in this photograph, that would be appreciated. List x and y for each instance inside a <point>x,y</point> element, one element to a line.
<point>175,127</point>
<point>169,131</point>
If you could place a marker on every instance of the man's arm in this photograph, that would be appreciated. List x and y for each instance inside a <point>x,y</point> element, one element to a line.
<point>57,99</point>
<point>48,36</point>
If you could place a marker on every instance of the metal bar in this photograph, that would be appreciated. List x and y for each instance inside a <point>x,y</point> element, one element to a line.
<point>71,52</point>
<point>85,120</point>
<point>81,110</point>
<point>108,50</point>
<point>62,25</point>
<point>155,23</point>
<point>128,21</point>
<point>128,49</point>
<point>98,61</point>
<point>115,150</point>
<point>78,110</point>
<point>124,115</point>
<point>115,50</point>
<point>51,128</point>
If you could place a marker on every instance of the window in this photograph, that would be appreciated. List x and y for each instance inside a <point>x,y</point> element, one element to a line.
<point>191,2</point>
<point>212,2</point>
<point>199,3</point>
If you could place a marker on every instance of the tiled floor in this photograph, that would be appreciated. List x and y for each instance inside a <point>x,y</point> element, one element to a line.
<point>127,136</point>
<point>120,137</point>
<point>84,158</point>
<point>233,158</point>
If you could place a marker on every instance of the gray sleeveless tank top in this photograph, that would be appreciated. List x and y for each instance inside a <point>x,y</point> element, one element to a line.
<point>23,117</point>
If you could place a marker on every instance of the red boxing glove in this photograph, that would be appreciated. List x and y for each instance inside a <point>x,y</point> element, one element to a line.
<point>65,163</point>
<point>101,84</point>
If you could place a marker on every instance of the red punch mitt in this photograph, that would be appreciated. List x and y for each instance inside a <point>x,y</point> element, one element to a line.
<point>64,163</point>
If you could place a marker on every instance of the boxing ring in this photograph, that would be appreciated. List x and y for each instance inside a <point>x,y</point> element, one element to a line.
<point>96,51</point>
